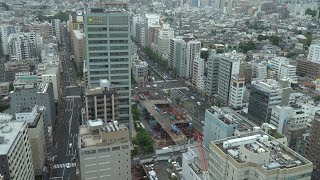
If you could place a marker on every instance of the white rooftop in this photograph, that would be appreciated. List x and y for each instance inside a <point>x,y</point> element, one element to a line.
<point>9,131</point>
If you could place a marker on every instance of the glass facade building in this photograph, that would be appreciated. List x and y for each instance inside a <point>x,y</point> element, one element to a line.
<point>107,32</point>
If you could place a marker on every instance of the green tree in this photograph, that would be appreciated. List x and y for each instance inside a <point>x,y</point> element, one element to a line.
<point>247,46</point>
<point>178,100</point>
<point>135,112</point>
<point>144,141</point>
<point>11,87</point>
<point>275,40</point>
<point>4,105</point>
<point>309,38</point>
<point>204,55</point>
<point>311,12</point>
<point>261,37</point>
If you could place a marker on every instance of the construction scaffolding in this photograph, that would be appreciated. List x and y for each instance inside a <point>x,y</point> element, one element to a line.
<point>167,117</point>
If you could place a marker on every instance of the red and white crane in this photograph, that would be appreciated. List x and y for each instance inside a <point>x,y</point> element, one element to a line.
<point>203,160</point>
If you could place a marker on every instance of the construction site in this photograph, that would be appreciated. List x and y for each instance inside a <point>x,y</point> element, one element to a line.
<point>168,124</point>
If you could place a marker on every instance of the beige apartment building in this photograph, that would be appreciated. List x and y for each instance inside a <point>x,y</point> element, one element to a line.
<point>36,135</point>
<point>255,156</point>
<point>15,151</point>
<point>78,44</point>
<point>104,151</point>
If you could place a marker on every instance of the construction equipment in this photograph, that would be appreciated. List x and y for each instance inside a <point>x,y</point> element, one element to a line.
<point>203,160</point>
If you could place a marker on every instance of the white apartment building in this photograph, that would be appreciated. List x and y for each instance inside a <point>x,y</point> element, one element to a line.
<point>5,31</point>
<point>314,53</point>
<point>193,50</point>
<point>140,71</point>
<point>49,74</point>
<point>136,19</point>
<point>50,54</point>
<point>15,151</point>
<point>198,70</point>
<point>56,29</point>
<point>163,41</point>
<point>152,19</point>
<point>36,135</point>
<point>283,69</point>
<point>256,155</point>
<point>296,115</point>
<point>259,70</point>
<point>288,71</point>
<point>237,89</point>
<point>104,151</point>
<point>23,46</point>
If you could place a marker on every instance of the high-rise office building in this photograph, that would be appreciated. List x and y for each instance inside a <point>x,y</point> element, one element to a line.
<point>192,52</point>
<point>78,48</point>
<point>264,95</point>
<point>177,59</point>
<point>104,151</point>
<point>229,65</point>
<point>212,75</point>
<point>198,70</point>
<point>107,29</point>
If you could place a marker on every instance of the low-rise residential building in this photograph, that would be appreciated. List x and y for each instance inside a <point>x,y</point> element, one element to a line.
<point>104,151</point>
<point>4,88</point>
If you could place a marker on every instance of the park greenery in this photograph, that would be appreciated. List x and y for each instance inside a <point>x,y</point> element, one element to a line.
<point>247,46</point>
<point>155,56</point>
<point>135,112</point>
<point>311,12</point>
<point>4,106</point>
<point>63,16</point>
<point>143,141</point>
<point>275,40</point>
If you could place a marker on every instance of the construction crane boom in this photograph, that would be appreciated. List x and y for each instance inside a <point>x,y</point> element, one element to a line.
<point>203,160</point>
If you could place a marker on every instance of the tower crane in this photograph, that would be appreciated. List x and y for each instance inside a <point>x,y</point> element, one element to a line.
<point>203,160</point>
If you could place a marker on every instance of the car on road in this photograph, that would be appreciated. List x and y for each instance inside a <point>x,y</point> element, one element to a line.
<point>199,104</point>
<point>68,165</point>
<point>70,145</point>
<point>192,97</point>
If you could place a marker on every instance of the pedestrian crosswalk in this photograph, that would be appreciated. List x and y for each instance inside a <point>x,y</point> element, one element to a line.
<point>58,166</point>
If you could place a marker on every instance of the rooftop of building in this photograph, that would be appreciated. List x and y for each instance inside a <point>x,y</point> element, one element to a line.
<point>8,133</point>
<point>261,149</point>
<point>266,84</point>
<point>24,110</point>
<point>48,70</point>
<point>96,133</point>
<point>41,87</point>
<point>78,34</point>
<point>229,116</point>
<point>195,165</point>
